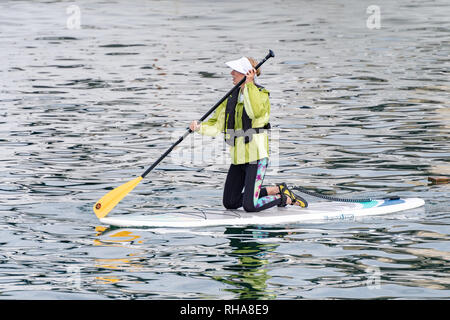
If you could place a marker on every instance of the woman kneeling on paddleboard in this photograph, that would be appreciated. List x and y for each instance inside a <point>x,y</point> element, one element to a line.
<point>244,119</point>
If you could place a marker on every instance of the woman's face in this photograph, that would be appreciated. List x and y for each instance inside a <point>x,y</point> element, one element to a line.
<point>237,76</point>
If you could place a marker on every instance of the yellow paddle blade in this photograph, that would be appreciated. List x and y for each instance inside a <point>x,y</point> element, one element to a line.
<point>103,206</point>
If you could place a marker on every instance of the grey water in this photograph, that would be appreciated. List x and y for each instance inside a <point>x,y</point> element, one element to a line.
<point>93,92</point>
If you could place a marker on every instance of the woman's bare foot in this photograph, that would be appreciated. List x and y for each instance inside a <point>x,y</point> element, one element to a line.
<point>272,191</point>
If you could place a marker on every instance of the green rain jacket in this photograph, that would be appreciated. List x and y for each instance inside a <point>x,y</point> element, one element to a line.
<point>257,106</point>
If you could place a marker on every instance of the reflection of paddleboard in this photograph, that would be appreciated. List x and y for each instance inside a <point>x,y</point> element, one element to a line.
<point>319,211</point>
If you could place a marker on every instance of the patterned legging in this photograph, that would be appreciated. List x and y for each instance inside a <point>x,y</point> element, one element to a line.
<point>248,176</point>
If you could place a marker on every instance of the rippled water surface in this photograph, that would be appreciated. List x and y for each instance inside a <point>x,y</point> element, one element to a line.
<point>356,111</point>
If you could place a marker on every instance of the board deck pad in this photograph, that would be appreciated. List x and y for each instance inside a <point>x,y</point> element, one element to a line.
<point>316,211</point>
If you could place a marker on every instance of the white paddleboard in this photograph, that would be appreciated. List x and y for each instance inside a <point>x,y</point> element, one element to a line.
<point>319,211</point>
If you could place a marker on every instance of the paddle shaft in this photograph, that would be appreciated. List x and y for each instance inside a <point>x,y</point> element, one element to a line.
<point>269,55</point>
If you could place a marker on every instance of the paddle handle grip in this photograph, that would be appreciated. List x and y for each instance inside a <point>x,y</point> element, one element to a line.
<point>267,57</point>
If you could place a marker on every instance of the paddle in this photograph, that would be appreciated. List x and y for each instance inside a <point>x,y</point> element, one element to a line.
<point>103,206</point>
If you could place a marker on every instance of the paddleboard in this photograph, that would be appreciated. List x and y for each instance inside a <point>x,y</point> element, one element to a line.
<point>319,211</point>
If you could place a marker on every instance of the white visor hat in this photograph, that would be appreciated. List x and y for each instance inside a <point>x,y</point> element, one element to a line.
<point>241,65</point>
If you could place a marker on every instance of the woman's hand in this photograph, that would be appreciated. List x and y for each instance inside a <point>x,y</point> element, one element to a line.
<point>194,126</point>
<point>250,76</point>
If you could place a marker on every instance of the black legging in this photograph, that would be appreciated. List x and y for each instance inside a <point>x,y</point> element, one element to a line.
<point>250,178</point>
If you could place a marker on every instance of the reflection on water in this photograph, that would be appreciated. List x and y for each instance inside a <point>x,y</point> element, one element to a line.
<point>245,275</point>
<point>359,111</point>
<point>345,260</point>
<point>248,275</point>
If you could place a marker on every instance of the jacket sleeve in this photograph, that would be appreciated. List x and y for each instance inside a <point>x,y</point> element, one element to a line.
<point>214,125</point>
<point>255,101</point>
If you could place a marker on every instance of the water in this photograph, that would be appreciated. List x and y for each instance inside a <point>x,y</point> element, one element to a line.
<point>358,111</point>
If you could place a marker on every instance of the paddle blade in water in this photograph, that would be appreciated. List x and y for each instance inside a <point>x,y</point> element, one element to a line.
<point>103,206</point>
